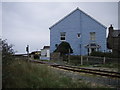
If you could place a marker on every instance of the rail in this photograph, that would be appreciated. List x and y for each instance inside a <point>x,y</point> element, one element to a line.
<point>83,70</point>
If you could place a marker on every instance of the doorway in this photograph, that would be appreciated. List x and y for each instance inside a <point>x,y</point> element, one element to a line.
<point>93,50</point>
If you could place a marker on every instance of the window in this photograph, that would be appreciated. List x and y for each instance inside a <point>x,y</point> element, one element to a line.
<point>92,36</point>
<point>62,36</point>
<point>78,35</point>
<point>56,45</point>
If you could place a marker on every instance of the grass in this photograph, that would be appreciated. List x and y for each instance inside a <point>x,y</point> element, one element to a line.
<point>22,74</point>
<point>111,65</point>
<point>107,65</point>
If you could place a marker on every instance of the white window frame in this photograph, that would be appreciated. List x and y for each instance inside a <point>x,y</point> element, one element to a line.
<point>78,35</point>
<point>63,35</point>
<point>92,36</point>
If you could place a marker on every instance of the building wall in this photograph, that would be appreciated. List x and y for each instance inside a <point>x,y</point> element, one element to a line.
<point>71,26</point>
<point>45,54</point>
<point>91,25</point>
<point>77,22</point>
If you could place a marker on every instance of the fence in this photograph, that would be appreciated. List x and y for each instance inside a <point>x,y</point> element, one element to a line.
<point>83,60</point>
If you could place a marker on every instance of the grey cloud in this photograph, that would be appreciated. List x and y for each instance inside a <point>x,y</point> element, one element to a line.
<point>28,23</point>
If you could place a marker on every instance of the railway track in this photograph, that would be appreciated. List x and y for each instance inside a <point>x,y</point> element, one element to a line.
<point>83,70</point>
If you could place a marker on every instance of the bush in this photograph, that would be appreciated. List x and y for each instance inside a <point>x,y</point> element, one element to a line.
<point>7,52</point>
<point>75,57</point>
<point>64,48</point>
<point>36,56</point>
<point>7,59</point>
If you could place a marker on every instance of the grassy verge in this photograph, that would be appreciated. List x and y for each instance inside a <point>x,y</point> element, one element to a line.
<point>115,66</point>
<point>22,74</point>
<point>111,65</point>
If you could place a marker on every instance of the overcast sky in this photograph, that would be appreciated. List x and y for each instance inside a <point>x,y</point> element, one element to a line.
<point>27,23</point>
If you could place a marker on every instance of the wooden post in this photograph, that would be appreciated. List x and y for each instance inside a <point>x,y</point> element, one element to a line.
<point>87,60</point>
<point>104,60</point>
<point>81,60</point>
<point>69,56</point>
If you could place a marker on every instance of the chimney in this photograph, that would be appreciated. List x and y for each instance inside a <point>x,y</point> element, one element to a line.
<point>111,29</point>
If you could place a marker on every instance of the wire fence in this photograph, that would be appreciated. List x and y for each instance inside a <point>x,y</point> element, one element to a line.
<point>92,60</point>
<point>84,60</point>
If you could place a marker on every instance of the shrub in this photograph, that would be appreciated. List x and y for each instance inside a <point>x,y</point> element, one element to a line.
<point>64,48</point>
<point>75,57</point>
<point>36,56</point>
<point>7,59</point>
<point>7,52</point>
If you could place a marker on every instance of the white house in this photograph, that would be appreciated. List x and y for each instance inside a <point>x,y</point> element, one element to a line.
<point>45,53</point>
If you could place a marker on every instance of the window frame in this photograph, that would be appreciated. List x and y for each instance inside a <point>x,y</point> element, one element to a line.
<point>62,36</point>
<point>92,36</point>
<point>78,35</point>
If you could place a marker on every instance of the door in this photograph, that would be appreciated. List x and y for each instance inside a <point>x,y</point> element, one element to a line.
<point>93,50</point>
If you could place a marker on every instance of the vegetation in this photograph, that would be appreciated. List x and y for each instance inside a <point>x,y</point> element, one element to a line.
<point>104,54</point>
<point>19,73</point>
<point>111,65</point>
<point>92,61</point>
<point>7,52</point>
<point>24,74</point>
<point>36,56</point>
<point>64,48</point>
<point>7,59</point>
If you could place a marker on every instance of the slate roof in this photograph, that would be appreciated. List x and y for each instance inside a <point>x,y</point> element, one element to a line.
<point>35,52</point>
<point>116,33</point>
<point>46,47</point>
<point>72,13</point>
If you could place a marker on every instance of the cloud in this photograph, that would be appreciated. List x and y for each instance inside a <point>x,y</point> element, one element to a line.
<point>28,22</point>
<point>0,19</point>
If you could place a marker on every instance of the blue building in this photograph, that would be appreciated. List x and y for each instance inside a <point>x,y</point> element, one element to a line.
<point>81,31</point>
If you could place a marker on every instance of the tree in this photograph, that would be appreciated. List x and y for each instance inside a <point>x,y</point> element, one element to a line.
<point>64,48</point>
<point>7,59</point>
<point>7,52</point>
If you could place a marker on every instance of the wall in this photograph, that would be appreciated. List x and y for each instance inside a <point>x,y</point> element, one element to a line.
<point>45,54</point>
<point>91,25</point>
<point>70,25</point>
<point>78,22</point>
